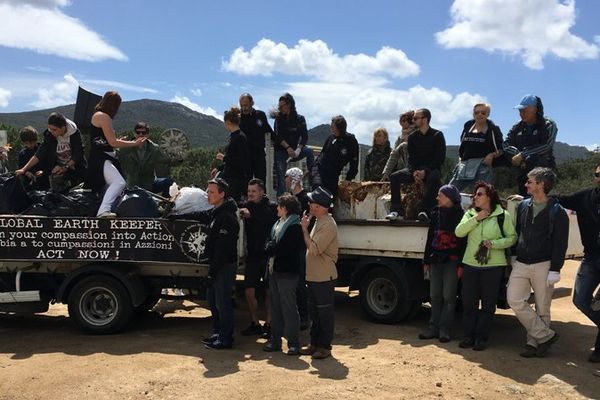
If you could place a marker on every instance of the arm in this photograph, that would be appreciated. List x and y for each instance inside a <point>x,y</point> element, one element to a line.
<point>353,170</point>
<point>430,231</point>
<point>103,121</point>
<point>510,234</point>
<point>76,150</point>
<point>467,224</point>
<point>509,144</point>
<point>302,131</point>
<point>551,131</point>
<point>33,161</point>
<point>560,240</point>
<point>571,201</point>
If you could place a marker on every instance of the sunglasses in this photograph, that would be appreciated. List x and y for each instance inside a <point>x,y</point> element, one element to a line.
<point>140,132</point>
<point>479,194</point>
<point>480,113</point>
<point>416,118</point>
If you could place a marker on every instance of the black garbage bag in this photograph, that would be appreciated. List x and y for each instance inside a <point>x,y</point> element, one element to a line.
<point>13,197</point>
<point>137,202</point>
<point>72,204</point>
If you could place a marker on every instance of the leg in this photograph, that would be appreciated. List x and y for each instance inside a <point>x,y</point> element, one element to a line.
<point>470,299</point>
<point>212,303</point>
<point>162,185</point>
<point>115,183</point>
<point>224,281</point>
<point>323,293</point>
<point>450,282</point>
<point>289,309</point>
<point>280,169</point>
<point>310,157</point>
<point>277,318</point>
<point>432,185</point>
<point>436,294</point>
<point>259,166</point>
<point>396,180</point>
<point>314,314</point>
<point>252,275</point>
<point>517,295</point>
<point>540,326</point>
<point>490,280</point>
<point>302,295</point>
<point>586,282</point>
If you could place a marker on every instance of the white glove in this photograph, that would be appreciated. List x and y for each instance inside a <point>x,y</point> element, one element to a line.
<point>297,152</point>
<point>553,278</point>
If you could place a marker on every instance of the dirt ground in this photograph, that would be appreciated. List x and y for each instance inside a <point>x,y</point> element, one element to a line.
<point>160,357</point>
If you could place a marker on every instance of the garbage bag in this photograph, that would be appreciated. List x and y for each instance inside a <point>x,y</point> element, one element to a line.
<point>13,197</point>
<point>72,204</point>
<point>137,202</point>
<point>190,200</point>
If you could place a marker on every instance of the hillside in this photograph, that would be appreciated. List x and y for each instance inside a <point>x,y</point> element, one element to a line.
<point>202,130</point>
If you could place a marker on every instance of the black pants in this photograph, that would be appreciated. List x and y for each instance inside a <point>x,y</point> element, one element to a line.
<point>480,283</point>
<point>302,292</point>
<point>320,305</point>
<point>258,164</point>
<point>405,176</point>
<point>237,188</point>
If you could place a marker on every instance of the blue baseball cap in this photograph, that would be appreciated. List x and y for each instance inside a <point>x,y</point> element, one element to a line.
<point>526,101</point>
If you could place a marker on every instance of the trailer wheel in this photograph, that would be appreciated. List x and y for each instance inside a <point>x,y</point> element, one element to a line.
<point>383,296</point>
<point>100,305</point>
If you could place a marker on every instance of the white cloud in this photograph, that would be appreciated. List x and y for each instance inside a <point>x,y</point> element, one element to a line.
<point>4,97</point>
<point>184,100</point>
<point>40,26</point>
<point>105,85</point>
<point>196,92</point>
<point>530,29</point>
<point>316,59</point>
<point>59,94</point>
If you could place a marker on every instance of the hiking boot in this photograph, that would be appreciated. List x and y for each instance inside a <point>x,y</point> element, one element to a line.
<point>480,344</point>
<point>466,343</point>
<point>529,351</point>
<point>308,350</point>
<point>253,329</point>
<point>321,353</point>
<point>542,350</point>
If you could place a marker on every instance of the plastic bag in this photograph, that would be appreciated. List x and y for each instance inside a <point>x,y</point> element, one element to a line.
<point>13,198</point>
<point>190,200</point>
<point>137,202</point>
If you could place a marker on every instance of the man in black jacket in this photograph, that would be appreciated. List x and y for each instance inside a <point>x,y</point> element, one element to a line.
<point>255,125</point>
<point>426,155</point>
<point>339,149</point>
<point>259,215</point>
<point>221,251</point>
<point>543,228</point>
<point>586,203</point>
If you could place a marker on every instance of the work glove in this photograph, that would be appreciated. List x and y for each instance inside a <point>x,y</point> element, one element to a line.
<point>297,152</point>
<point>553,278</point>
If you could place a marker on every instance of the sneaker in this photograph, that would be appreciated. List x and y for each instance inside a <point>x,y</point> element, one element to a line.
<point>218,345</point>
<point>393,216</point>
<point>253,329</point>
<point>270,347</point>
<point>308,350</point>
<point>107,214</point>
<point>293,351</point>
<point>529,351</point>
<point>266,333</point>
<point>466,343</point>
<point>480,344</point>
<point>211,339</point>
<point>428,334</point>
<point>542,350</point>
<point>594,357</point>
<point>423,217</point>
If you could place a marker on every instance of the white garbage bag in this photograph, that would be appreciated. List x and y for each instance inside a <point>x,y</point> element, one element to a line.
<point>190,200</point>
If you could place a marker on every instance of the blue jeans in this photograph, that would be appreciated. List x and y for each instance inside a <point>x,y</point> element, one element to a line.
<point>162,185</point>
<point>442,290</point>
<point>281,165</point>
<point>586,282</point>
<point>221,303</point>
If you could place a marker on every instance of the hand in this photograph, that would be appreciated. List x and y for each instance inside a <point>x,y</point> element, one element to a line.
<point>297,152</point>
<point>305,221</point>
<point>220,156</point>
<point>515,197</point>
<point>517,160</point>
<point>139,141</point>
<point>489,159</point>
<point>245,213</point>
<point>58,170</point>
<point>553,278</point>
<point>419,174</point>
<point>30,175</point>
<point>487,244</point>
<point>483,214</point>
<point>20,172</point>
<point>213,173</point>
<point>291,153</point>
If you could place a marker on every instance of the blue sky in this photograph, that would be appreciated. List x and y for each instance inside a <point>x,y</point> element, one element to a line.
<point>368,61</point>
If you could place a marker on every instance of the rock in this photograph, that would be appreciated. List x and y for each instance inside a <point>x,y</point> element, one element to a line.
<point>514,389</point>
<point>438,384</point>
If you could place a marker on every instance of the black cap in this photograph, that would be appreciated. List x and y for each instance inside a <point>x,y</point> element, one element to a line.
<point>321,196</point>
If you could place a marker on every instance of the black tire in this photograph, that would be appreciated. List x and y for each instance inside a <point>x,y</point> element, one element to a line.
<point>383,296</point>
<point>100,305</point>
<point>152,298</point>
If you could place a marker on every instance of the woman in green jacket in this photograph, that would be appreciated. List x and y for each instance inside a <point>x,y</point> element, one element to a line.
<point>484,262</point>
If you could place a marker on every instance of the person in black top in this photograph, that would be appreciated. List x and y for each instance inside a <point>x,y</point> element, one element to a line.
<point>259,215</point>
<point>586,203</point>
<point>480,145</point>
<point>34,178</point>
<point>221,252</point>
<point>290,138</point>
<point>61,153</point>
<point>286,248</point>
<point>255,125</point>
<point>340,148</point>
<point>530,142</point>
<point>104,169</point>
<point>426,155</point>
<point>235,165</point>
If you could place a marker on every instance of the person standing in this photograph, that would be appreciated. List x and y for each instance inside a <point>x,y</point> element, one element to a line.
<point>443,252</point>
<point>321,272</point>
<point>290,139</point>
<point>259,214</point>
<point>286,248</point>
<point>426,155</point>
<point>340,148</point>
<point>377,156</point>
<point>543,228</point>
<point>221,251</point>
<point>104,168</point>
<point>530,142</point>
<point>586,204</point>
<point>489,231</point>
<point>255,125</point>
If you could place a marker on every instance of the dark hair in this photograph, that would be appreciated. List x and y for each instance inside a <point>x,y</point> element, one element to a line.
<point>57,119</point>
<point>340,124</point>
<point>289,99</point>
<point>246,95</point>
<point>259,183</point>
<point>28,134</point>
<point>142,125</point>
<point>222,185</point>
<point>233,115</point>
<point>491,192</point>
<point>545,175</point>
<point>426,113</point>
<point>110,103</point>
<point>290,203</point>
<point>407,115</point>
